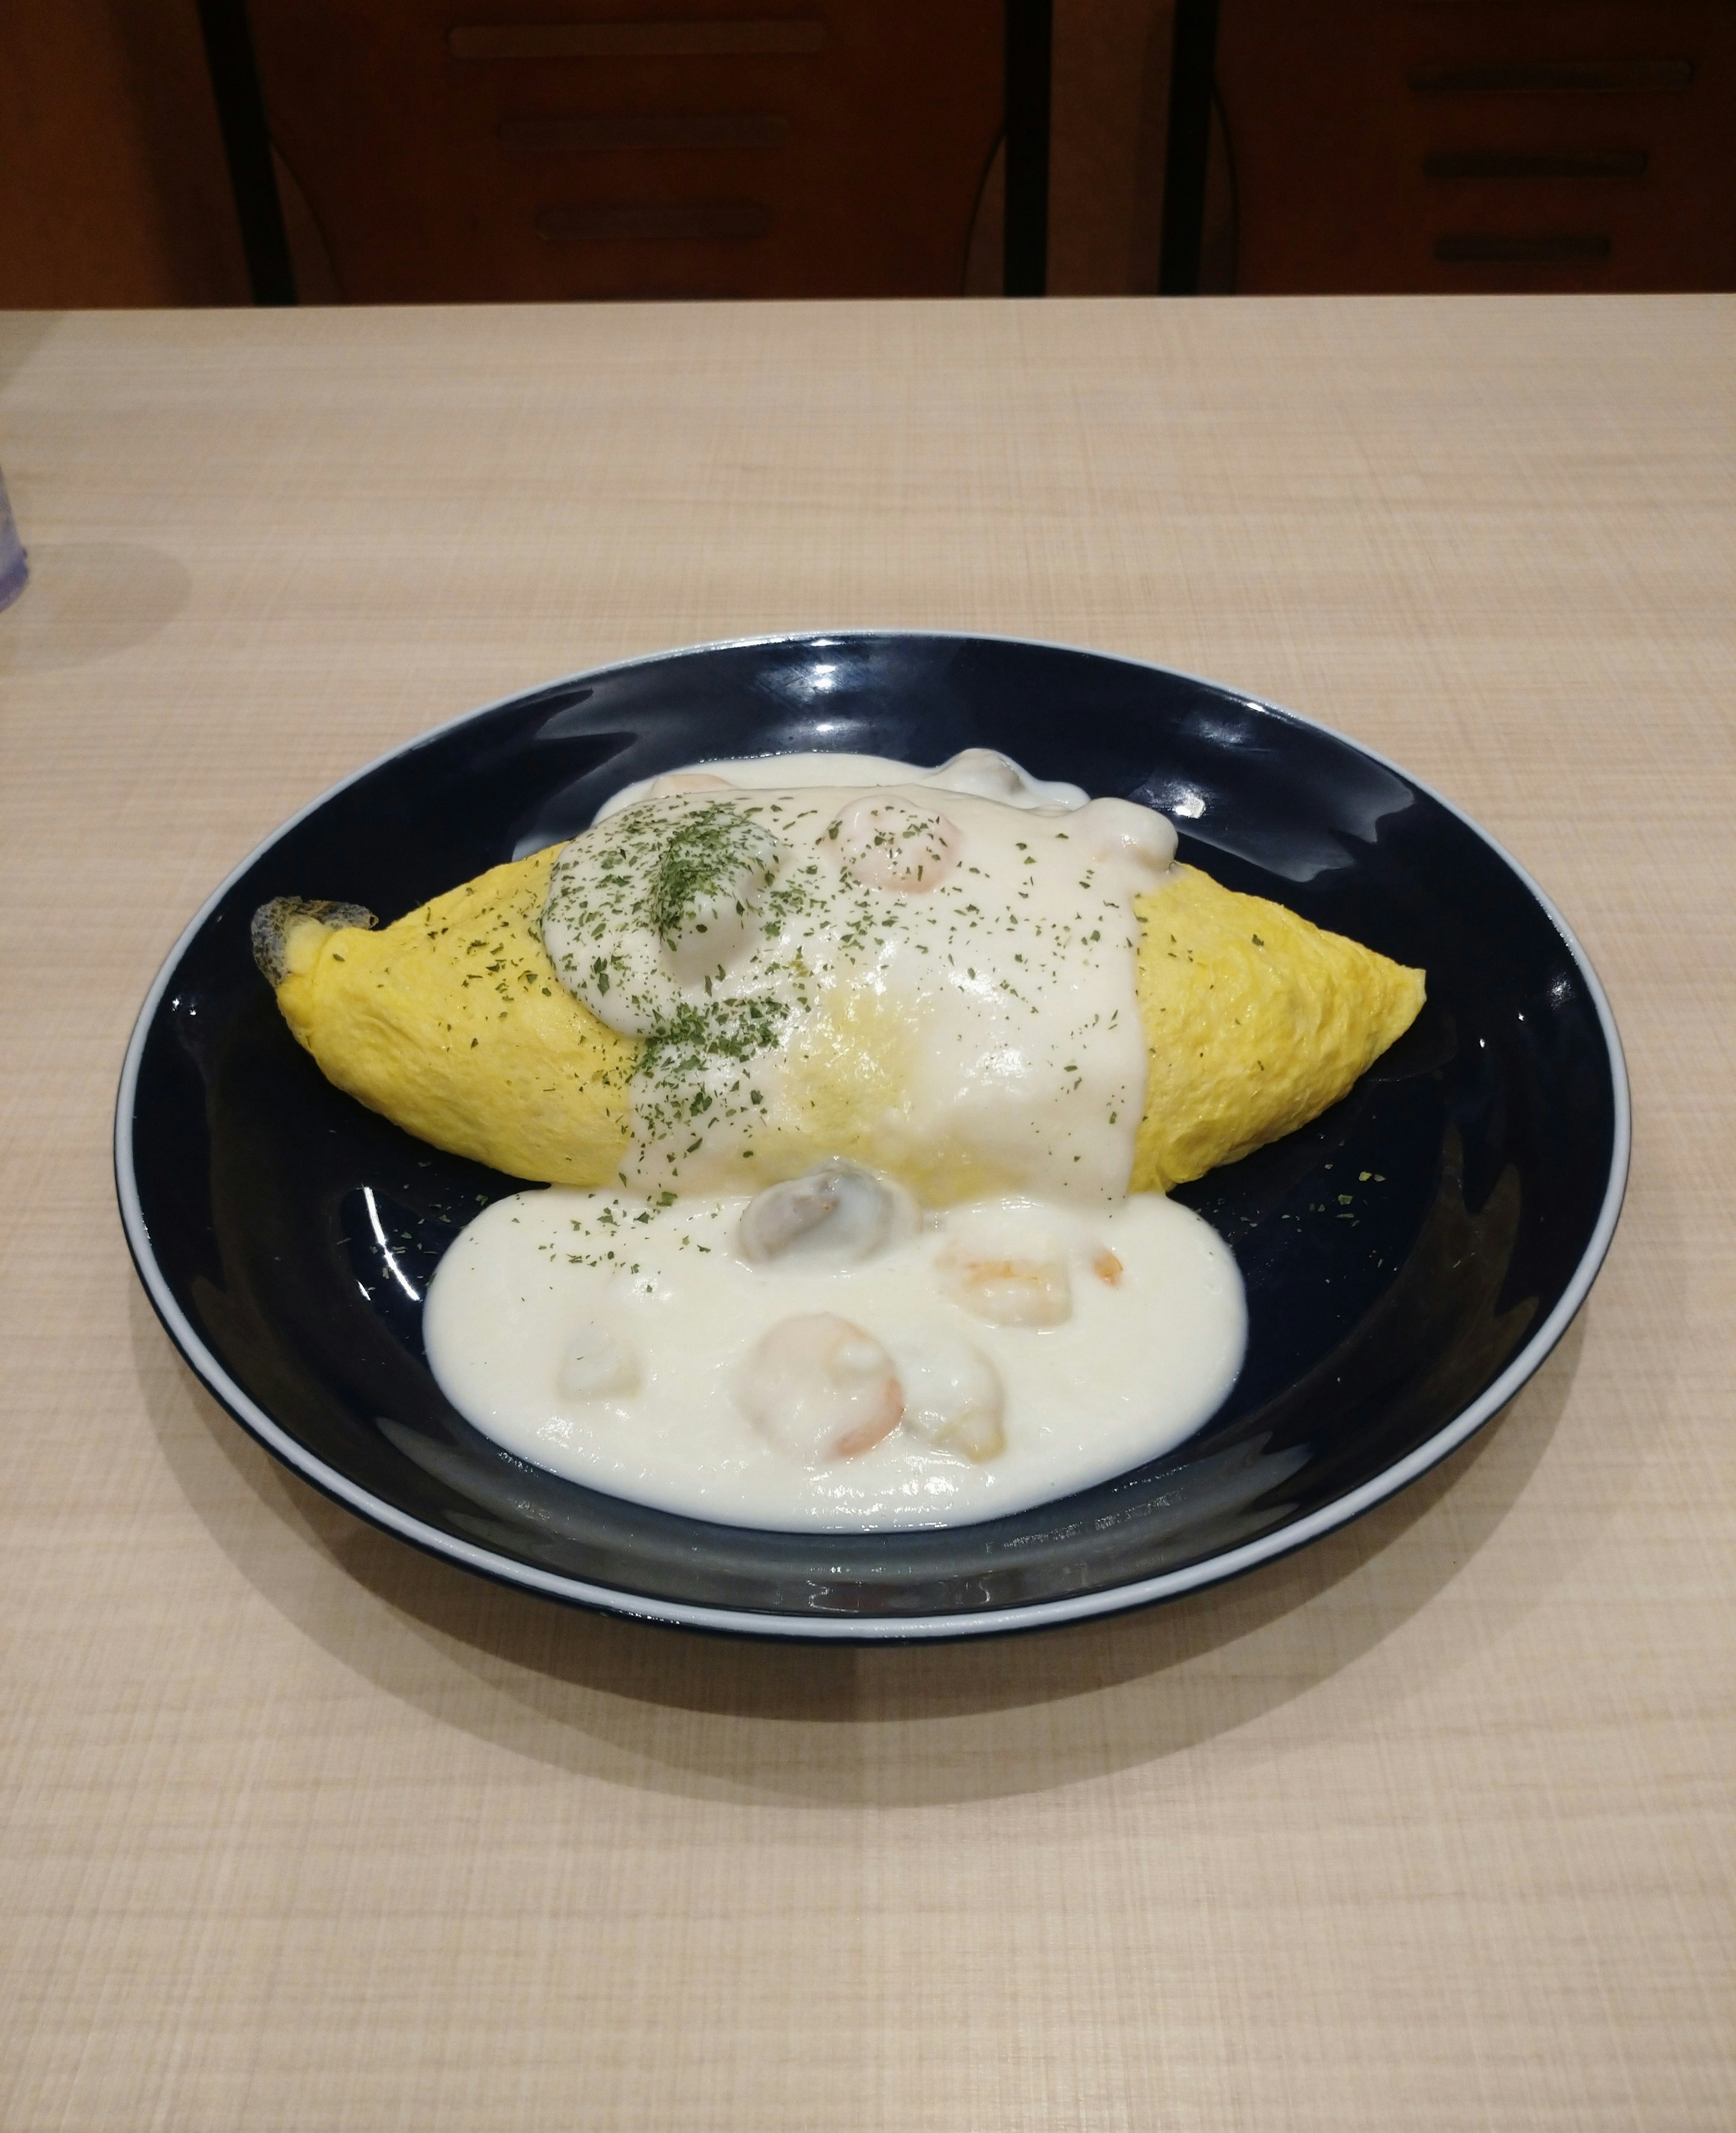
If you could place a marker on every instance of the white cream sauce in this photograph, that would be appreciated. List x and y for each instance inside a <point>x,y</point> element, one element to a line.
<point>930,972</point>
<point>984,771</point>
<point>624,1345</point>
<point>938,966</point>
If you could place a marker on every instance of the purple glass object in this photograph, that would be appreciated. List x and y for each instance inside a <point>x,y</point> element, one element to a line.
<point>14,570</point>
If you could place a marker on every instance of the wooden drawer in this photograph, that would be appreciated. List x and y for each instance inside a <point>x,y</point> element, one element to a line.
<point>510,149</point>
<point>1423,145</point>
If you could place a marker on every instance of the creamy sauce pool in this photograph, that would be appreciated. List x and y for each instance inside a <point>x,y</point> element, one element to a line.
<point>873,1263</point>
<point>636,1373</point>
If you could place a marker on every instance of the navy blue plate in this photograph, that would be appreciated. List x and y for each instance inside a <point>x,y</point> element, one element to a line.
<point>1409,1258</point>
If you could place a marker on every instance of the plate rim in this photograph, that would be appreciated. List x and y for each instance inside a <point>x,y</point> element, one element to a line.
<point>1045,1614</point>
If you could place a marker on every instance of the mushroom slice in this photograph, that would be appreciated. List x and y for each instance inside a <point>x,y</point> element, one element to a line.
<point>836,1215</point>
<point>820,1388</point>
<point>953,1395</point>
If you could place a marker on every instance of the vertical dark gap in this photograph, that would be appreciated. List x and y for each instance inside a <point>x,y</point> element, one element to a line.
<point>1030,25</point>
<point>247,142</point>
<point>1189,145</point>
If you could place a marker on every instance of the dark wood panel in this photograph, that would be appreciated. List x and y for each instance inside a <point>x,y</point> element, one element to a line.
<point>437,169</point>
<point>1553,144</point>
<point>624,41</point>
<point>1548,250</point>
<point>1620,77</point>
<point>645,129</point>
<point>714,221</point>
<point>114,189</point>
<point>1524,163</point>
<point>1109,106</point>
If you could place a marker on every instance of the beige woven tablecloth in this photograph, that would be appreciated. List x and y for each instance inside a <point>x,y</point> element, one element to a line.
<point>1429,1827</point>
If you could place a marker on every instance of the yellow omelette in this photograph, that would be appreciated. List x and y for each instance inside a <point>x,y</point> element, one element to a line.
<point>453,1023</point>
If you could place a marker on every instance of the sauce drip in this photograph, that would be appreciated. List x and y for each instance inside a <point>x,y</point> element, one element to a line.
<point>932,971</point>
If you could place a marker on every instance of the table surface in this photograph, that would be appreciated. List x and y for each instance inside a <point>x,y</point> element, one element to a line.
<point>1428,1826</point>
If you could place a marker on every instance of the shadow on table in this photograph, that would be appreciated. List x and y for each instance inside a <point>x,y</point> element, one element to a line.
<point>724,1719</point>
<point>87,599</point>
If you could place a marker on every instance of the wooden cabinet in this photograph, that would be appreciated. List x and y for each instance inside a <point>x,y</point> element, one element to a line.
<point>1439,145</point>
<point>477,150</point>
<point>481,150</point>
